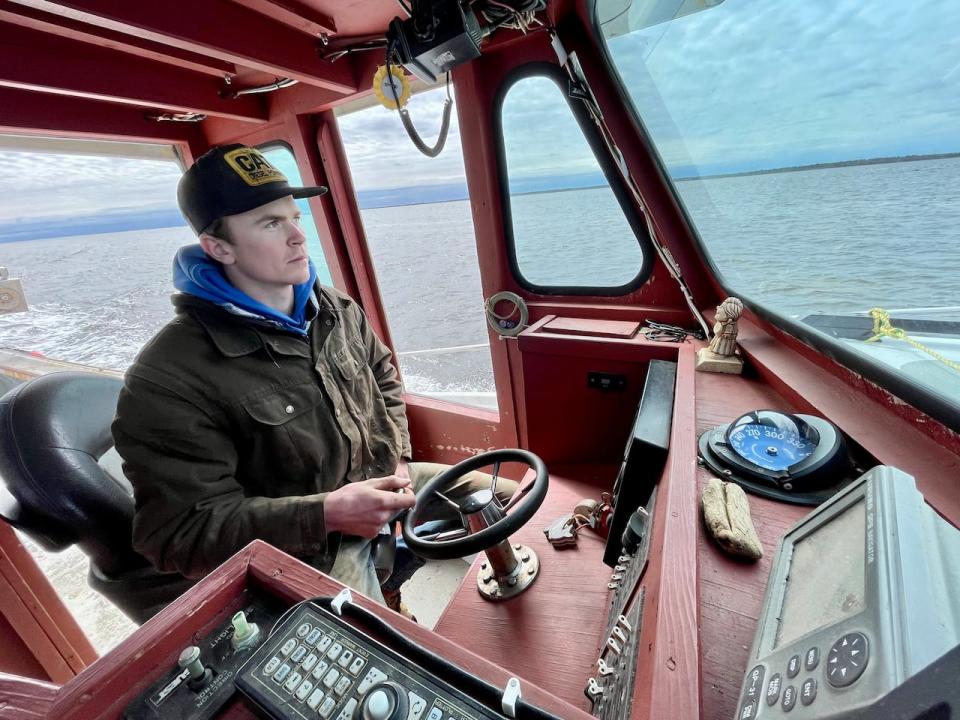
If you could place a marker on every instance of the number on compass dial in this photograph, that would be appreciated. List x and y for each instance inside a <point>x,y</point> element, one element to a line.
<point>772,448</point>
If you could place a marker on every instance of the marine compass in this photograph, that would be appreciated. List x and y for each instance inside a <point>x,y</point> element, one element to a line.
<point>799,459</point>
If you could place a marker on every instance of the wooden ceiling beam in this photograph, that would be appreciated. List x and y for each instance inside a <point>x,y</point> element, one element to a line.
<point>66,27</point>
<point>35,60</point>
<point>218,28</point>
<point>23,112</point>
<point>293,13</point>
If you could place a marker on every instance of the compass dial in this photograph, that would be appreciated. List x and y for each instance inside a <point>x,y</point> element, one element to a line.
<point>770,447</point>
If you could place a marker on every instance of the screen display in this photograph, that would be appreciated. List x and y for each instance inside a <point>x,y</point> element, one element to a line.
<point>827,576</point>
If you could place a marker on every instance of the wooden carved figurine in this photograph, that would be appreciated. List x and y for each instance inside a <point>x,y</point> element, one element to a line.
<point>722,356</point>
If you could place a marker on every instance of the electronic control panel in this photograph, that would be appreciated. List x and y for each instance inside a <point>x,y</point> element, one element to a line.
<point>316,666</point>
<point>863,594</point>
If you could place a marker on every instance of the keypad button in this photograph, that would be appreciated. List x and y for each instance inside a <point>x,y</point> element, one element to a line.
<point>282,673</point>
<point>847,659</point>
<point>773,690</point>
<point>331,677</point>
<point>324,643</point>
<point>789,698</point>
<point>357,665</point>
<point>292,682</point>
<point>305,687</point>
<point>347,712</point>
<point>435,714</point>
<point>793,666</point>
<point>343,684</point>
<point>334,652</point>
<point>754,684</point>
<point>304,630</point>
<point>326,710</point>
<point>288,646</point>
<point>748,711</point>
<point>271,665</point>
<point>812,658</point>
<point>345,658</point>
<point>298,654</point>
<point>417,706</point>
<point>319,670</point>
<point>313,637</point>
<point>808,691</point>
<point>315,699</point>
<point>308,662</point>
<point>373,676</point>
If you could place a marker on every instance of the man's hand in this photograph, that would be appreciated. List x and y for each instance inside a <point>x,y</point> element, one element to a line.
<point>362,508</point>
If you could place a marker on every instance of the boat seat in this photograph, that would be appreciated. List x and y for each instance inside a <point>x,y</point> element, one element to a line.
<point>64,486</point>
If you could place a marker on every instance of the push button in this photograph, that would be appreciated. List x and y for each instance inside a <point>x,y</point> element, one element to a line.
<point>272,665</point>
<point>345,658</point>
<point>773,690</point>
<point>812,659</point>
<point>847,659</point>
<point>754,683</point>
<point>435,714</point>
<point>305,687</point>
<point>288,646</point>
<point>304,629</point>
<point>808,691</point>
<point>793,666</point>
<point>324,644</point>
<point>789,698</point>
<point>292,682</point>
<point>298,654</point>
<point>282,674</point>
<point>308,662</point>
<point>334,652</point>
<point>314,635</point>
<point>748,711</point>
<point>326,710</point>
<point>417,706</point>
<point>357,665</point>
<point>319,670</point>
<point>331,678</point>
<point>315,699</point>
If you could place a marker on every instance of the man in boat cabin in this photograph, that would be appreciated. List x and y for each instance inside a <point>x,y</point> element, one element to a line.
<point>267,408</point>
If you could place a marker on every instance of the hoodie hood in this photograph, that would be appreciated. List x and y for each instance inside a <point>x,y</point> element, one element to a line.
<point>196,274</point>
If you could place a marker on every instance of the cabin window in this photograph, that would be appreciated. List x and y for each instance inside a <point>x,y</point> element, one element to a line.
<point>564,220</point>
<point>90,228</point>
<point>815,148</point>
<point>282,158</point>
<point>419,229</point>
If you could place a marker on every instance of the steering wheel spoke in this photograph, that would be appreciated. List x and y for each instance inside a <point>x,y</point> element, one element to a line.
<point>477,534</point>
<point>445,535</point>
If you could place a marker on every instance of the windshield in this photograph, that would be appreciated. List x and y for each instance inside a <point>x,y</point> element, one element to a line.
<point>816,150</point>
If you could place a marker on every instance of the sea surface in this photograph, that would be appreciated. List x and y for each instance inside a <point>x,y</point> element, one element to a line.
<point>835,240</point>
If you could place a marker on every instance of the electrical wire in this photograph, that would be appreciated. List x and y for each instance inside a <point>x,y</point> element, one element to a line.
<point>408,125</point>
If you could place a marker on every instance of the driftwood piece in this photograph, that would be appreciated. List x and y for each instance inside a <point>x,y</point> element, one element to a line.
<point>727,514</point>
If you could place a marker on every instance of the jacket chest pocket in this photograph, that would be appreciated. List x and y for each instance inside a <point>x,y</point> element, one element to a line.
<point>286,434</point>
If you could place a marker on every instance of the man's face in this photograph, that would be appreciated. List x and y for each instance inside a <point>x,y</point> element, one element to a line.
<point>266,248</point>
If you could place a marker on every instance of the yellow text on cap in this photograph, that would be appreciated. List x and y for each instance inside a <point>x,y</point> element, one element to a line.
<point>253,167</point>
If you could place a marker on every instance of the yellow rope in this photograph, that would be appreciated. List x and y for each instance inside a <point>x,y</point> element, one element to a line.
<point>883,328</point>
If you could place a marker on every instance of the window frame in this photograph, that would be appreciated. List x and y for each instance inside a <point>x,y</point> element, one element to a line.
<point>939,408</point>
<point>611,174</point>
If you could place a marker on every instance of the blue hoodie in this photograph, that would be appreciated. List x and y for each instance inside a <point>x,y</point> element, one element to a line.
<point>196,274</point>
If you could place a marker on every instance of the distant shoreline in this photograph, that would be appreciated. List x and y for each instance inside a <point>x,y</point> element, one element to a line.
<point>825,166</point>
<point>78,231</point>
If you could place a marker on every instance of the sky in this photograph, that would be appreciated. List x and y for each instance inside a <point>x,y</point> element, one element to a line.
<point>745,85</point>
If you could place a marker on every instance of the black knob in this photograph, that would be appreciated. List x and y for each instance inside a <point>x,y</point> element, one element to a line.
<point>384,701</point>
<point>635,531</point>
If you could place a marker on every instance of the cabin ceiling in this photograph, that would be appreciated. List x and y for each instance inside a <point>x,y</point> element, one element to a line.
<point>174,56</point>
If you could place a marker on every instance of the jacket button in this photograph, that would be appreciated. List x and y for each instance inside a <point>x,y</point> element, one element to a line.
<point>329,322</point>
<point>289,409</point>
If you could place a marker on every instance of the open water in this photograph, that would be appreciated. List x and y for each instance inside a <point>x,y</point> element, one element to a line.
<point>835,240</point>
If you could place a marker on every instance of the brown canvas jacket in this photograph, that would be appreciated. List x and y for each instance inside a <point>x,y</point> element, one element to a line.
<point>230,431</point>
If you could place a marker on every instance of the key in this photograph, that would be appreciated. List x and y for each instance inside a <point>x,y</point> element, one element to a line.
<point>561,532</point>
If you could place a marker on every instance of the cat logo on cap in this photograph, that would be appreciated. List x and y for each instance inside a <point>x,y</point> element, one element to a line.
<point>253,167</point>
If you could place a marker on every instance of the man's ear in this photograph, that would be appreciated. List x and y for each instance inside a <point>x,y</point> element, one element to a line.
<point>217,249</point>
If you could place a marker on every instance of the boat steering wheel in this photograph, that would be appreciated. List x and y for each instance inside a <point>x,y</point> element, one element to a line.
<point>480,505</point>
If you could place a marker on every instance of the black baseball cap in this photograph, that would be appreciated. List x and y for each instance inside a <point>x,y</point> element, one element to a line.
<point>229,180</point>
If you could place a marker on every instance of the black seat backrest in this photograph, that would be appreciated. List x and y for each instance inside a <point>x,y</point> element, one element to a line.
<point>53,431</point>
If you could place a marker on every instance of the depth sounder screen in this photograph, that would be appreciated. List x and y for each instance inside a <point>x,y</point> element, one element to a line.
<point>826,579</point>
